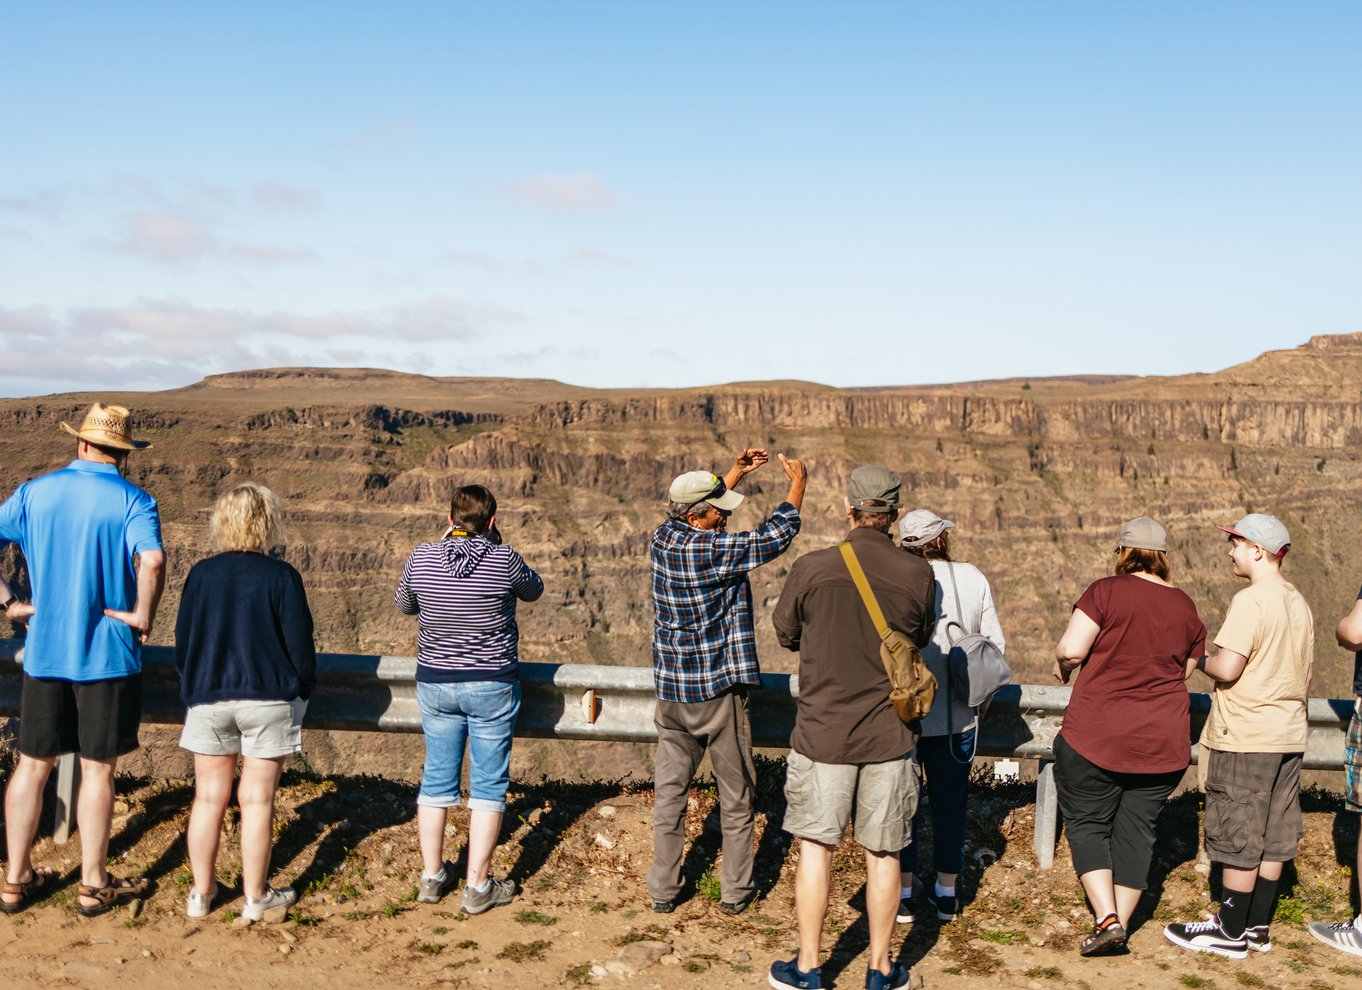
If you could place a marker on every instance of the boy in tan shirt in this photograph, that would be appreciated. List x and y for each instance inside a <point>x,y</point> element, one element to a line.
<point>1255,737</point>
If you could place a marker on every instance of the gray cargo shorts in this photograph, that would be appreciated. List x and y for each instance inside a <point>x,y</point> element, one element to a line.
<point>1253,808</point>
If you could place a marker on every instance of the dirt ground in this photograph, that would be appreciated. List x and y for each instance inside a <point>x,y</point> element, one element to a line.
<point>580,852</point>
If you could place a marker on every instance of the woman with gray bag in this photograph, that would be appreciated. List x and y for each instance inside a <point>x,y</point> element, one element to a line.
<point>964,605</point>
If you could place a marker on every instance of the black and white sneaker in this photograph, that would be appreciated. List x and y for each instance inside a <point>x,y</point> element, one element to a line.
<point>1207,936</point>
<point>1258,938</point>
<point>947,906</point>
<point>1345,936</point>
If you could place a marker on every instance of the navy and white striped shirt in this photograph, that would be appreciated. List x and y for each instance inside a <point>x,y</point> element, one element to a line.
<point>465,590</point>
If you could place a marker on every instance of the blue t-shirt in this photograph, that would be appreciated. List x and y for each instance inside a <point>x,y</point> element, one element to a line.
<point>79,529</point>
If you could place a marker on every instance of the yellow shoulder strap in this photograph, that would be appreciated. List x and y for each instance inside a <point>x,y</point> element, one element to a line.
<point>863,586</point>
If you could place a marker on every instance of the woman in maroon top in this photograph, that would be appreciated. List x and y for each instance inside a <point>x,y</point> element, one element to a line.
<point>1126,738</point>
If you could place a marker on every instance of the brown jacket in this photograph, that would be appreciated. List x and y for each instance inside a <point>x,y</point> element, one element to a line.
<point>844,715</point>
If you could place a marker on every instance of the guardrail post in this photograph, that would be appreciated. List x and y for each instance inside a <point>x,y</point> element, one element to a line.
<point>68,783</point>
<point>1047,815</point>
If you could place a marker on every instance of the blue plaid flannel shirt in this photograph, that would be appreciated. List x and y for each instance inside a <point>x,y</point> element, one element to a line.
<point>703,643</point>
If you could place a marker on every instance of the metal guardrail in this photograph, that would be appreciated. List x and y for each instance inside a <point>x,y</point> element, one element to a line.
<point>584,701</point>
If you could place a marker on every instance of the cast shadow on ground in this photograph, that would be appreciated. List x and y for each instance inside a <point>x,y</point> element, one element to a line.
<point>561,805</point>
<point>1177,837</point>
<point>334,817</point>
<point>990,802</point>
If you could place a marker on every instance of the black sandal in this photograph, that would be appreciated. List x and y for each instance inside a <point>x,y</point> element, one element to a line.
<point>112,894</point>
<point>39,879</point>
<point>1107,938</point>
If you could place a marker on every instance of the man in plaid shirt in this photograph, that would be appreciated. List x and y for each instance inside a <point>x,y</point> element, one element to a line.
<point>704,660</point>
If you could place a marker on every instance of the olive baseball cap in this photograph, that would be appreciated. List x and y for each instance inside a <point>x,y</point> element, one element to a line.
<point>873,488</point>
<point>1143,534</point>
<point>1266,531</point>
<point>694,487</point>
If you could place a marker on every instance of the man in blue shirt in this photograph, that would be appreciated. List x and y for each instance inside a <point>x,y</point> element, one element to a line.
<point>704,660</point>
<point>82,531</point>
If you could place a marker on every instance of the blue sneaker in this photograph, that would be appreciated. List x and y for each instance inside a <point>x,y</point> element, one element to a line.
<point>897,978</point>
<point>786,976</point>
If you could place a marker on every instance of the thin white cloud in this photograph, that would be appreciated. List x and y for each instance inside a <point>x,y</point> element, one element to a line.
<point>163,236</point>
<point>282,196</point>
<point>40,201</point>
<point>585,255</point>
<point>476,259</point>
<point>172,341</point>
<point>395,132</point>
<point>582,192</point>
<point>548,352</point>
<point>269,255</point>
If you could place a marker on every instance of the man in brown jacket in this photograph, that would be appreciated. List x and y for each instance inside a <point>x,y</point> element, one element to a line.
<point>850,756</point>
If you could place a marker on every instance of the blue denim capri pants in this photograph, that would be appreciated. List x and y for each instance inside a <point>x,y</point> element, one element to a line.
<point>478,715</point>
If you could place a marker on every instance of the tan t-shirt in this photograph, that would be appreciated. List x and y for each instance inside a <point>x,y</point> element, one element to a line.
<point>1264,711</point>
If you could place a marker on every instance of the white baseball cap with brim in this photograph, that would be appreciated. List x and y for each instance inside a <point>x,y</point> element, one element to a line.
<point>695,487</point>
<point>1267,531</point>
<point>107,426</point>
<point>922,526</point>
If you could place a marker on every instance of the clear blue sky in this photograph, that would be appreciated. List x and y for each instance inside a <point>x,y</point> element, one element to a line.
<point>646,194</point>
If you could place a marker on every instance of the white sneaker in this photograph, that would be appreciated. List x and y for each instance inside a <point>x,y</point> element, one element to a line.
<point>282,898</point>
<point>198,905</point>
<point>1345,937</point>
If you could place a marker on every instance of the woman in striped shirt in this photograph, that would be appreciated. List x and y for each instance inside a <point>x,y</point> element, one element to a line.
<point>464,589</point>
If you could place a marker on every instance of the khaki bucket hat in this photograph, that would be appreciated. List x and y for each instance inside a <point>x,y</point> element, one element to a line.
<point>107,426</point>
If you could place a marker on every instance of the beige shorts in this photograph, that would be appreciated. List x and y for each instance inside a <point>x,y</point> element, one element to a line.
<point>261,729</point>
<point>822,798</point>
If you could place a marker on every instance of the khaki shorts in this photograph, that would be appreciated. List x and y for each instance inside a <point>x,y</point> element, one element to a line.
<point>1253,808</point>
<point>263,730</point>
<point>822,798</point>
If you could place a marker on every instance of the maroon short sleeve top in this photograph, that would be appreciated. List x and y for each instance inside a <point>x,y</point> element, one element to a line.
<point>1128,712</point>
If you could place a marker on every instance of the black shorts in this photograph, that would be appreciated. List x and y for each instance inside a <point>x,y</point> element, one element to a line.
<point>97,719</point>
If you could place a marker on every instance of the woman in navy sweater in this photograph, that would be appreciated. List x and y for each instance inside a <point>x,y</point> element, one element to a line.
<point>244,650</point>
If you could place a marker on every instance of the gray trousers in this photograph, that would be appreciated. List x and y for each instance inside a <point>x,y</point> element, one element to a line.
<point>684,732</point>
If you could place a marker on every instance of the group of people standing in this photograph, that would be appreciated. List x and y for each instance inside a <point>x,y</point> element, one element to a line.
<point>243,647</point>
<point>244,650</point>
<point>1134,639</point>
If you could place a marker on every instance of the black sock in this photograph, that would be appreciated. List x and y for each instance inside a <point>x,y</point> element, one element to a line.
<point>1234,909</point>
<point>1264,903</point>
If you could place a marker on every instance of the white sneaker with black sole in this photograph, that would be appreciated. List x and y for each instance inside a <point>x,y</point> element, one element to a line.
<point>1207,936</point>
<point>1345,936</point>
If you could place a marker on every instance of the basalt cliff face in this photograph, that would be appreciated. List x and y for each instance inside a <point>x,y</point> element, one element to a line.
<point>1038,474</point>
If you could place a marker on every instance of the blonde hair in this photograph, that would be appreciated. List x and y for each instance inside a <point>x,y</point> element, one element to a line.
<point>248,517</point>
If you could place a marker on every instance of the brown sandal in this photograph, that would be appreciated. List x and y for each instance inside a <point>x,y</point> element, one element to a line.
<point>112,894</point>
<point>40,877</point>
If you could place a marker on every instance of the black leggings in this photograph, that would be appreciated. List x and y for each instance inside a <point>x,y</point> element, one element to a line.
<point>1109,817</point>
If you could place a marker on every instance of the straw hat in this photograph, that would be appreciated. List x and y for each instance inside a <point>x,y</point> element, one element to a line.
<point>107,426</point>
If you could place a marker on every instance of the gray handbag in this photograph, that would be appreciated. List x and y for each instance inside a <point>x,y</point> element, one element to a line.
<point>975,667</point>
